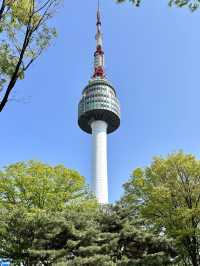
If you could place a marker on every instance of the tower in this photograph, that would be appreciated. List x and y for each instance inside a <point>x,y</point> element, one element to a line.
<point>99,115</point>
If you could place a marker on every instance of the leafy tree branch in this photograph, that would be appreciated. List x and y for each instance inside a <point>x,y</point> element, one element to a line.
<point>25,34</point>
<point>191,4</point>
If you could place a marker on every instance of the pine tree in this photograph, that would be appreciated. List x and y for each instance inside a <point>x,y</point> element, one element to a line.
<point>115,239</point>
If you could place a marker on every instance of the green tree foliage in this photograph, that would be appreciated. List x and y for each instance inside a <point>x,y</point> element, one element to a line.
<point>24,35</point>
<point>48,217</point>
<point>116,240</point>
<point>38,204</point>
<point>167,194</point>
<point>191,4</point>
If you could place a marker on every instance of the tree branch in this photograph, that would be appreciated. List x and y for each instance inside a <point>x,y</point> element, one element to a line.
<point>42,7</point>
<point>3,5</point>
<point>42,17</point>
<point>31,28</point>
<point>17,68</point>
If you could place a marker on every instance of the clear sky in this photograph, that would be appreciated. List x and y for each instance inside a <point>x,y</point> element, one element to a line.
<point>153,60</point>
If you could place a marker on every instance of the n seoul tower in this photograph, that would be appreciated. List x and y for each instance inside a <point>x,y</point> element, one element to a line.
<point>99,115</point>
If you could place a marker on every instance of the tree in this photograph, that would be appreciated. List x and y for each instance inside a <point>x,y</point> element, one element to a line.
<point>114,239</point>
<point>37,203</point>
<point>167,194</point>
<point>25,34</point>
<point>191,4</point>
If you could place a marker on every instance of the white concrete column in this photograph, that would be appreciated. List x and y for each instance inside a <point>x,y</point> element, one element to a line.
<point>99,161</point>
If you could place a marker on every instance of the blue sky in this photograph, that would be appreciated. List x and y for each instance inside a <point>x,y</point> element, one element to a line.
<point>152,58</point>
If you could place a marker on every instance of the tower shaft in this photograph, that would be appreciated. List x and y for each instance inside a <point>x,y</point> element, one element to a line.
<point>99,161</point>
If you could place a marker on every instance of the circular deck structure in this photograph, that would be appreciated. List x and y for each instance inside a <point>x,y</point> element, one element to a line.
<point>99,102</point>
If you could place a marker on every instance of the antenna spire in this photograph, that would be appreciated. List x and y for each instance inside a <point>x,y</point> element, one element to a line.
<point>99,54</point>
<point>98,15</point>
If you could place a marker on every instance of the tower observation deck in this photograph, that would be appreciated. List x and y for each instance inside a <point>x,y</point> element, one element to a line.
<point>99,115</point>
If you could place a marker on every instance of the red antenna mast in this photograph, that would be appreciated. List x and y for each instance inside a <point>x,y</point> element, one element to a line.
<point>99,54</point>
